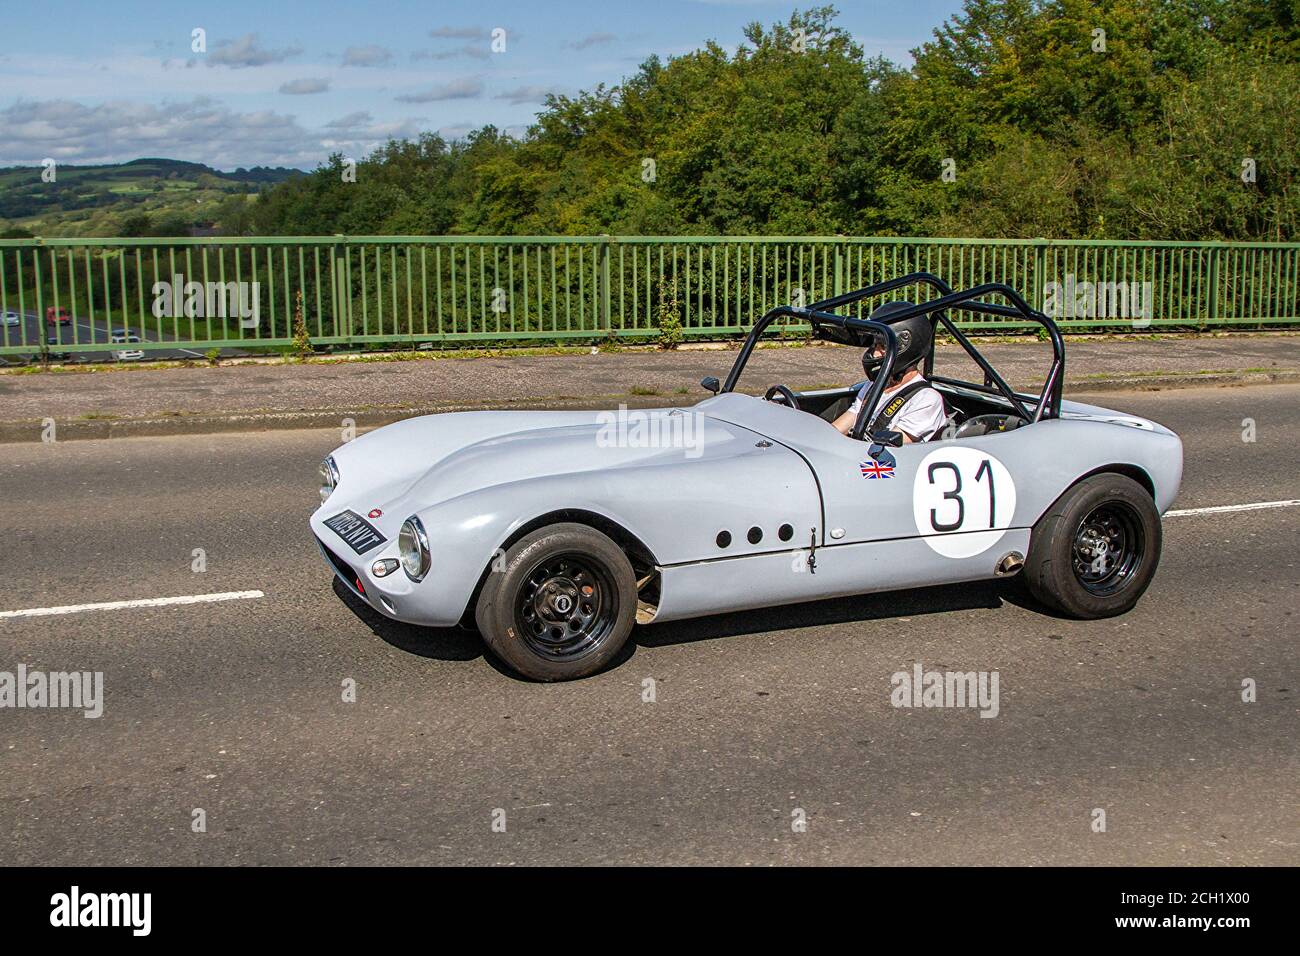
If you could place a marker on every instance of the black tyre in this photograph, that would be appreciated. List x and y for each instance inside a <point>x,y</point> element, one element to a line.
<point>562,606</point>
<point>1096,549</point>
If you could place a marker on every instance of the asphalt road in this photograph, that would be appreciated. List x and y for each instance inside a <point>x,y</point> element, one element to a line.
<point>236,708</point>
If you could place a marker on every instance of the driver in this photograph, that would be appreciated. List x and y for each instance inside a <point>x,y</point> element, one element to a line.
<point>909,405</point>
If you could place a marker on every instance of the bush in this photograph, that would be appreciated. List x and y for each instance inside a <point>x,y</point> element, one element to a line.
<point>666,316</point>
<point>301,340</point>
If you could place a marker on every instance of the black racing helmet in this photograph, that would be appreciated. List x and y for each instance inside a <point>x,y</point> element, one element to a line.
<point>914,336</point>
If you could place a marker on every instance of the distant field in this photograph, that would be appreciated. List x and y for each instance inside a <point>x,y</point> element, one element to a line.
<point>95,201</point>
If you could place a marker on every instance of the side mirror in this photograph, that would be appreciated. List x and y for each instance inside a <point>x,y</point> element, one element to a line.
<point>711,383</point>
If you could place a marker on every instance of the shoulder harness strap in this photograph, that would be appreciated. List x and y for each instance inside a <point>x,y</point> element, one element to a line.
<point>885,417</point>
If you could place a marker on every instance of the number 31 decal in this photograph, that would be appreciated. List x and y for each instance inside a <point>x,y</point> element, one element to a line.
<point>963,501</point>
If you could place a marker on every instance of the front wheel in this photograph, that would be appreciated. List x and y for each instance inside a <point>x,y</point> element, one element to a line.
<point>562,606</point>
<point>1095,551</point>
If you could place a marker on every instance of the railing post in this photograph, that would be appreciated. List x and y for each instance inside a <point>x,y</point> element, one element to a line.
<point>335,298</point>
<point>1040,267</point>
<point>42,329</point>
<point>342,288</point>
<point>1212,310</point>
<point>839,264</point>
<point>604,283</point>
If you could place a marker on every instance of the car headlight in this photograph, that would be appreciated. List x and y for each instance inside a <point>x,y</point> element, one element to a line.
<point>413,548</point>
<point>329,478</point>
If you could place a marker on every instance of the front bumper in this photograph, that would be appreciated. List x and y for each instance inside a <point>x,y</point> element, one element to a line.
<point>430,603</point>
<point>359,581</point>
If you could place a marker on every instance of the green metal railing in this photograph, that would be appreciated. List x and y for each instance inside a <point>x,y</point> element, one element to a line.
<point>412,291</point>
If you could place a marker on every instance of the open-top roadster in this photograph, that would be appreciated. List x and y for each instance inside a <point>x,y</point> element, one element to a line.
<point>557,531</point>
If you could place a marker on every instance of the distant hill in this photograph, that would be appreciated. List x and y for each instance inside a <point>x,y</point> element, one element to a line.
<point>101,200</point>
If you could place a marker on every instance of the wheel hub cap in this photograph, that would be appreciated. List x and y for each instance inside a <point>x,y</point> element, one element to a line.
<point>565,607</point>
<point>1108,548</point>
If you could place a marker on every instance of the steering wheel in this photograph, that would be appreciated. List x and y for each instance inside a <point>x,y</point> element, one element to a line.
<point>787,396</point>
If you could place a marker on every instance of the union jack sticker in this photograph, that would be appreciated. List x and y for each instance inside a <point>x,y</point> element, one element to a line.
<point>880,467</point>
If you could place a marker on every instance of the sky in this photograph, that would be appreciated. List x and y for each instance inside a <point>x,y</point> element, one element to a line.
<point>287,82</point>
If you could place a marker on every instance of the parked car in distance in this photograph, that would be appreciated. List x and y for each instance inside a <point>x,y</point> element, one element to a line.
<point>10,319</point>
<point>58,316</point>
<point>124,337</point>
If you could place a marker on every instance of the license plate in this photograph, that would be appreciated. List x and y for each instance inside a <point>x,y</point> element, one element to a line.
<point>355,530</point>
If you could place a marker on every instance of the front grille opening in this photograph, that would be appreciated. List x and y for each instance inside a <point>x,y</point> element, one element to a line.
<point>340,565</point>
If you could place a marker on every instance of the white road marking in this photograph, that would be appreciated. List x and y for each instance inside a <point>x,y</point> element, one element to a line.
<point>144,602</point>
<point>1221,509</point>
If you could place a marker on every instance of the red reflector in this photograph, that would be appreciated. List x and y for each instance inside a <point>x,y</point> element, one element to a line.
<point>361,587</point>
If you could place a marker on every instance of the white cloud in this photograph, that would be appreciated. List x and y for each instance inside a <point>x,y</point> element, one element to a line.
<point>305,86</point>
<point>458,33</point>
<point>245,51</point>
<point>524,94</point>
<point>370,55</point>
<point>358,133</point>
<point>351,121</point>
<point>454,90</point>
<point>64,76</point>
<point>200,130</point>
<point>592,39</point>
<point>477,52</point>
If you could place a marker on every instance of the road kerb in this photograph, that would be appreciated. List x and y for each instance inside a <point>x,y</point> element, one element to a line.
<point>17,431</point>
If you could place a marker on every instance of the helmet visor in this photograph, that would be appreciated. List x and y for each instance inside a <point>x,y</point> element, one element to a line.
<point>874,354</point>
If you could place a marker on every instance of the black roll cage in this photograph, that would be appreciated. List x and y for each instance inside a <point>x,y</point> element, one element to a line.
<point>851,330</point>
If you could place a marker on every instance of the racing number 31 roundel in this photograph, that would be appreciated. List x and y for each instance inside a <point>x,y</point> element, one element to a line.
<point>963,500</point>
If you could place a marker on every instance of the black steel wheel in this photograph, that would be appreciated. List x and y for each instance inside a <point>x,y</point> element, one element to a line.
<point>1095,551</point>
<point>561,606</point>
<point>567,605</point>
<point>1108,548</point>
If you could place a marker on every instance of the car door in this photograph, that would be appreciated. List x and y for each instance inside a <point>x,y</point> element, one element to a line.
<point>920,513</point>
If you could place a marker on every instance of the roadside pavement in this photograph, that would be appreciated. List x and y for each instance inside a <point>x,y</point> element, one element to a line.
<point>377,390</point>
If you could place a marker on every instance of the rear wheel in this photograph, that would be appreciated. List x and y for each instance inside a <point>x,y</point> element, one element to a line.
<point>562,606</point>
<point>1095,551</point>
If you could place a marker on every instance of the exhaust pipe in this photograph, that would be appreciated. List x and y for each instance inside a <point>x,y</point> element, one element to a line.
<point>1010,563</point>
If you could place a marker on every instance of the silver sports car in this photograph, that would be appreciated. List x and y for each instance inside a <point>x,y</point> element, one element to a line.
<point>557,532</point>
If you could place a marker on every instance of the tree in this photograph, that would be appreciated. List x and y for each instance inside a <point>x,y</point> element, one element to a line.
<point>136,225</point>
<point>1087,118</point>
<point>234,215</point>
